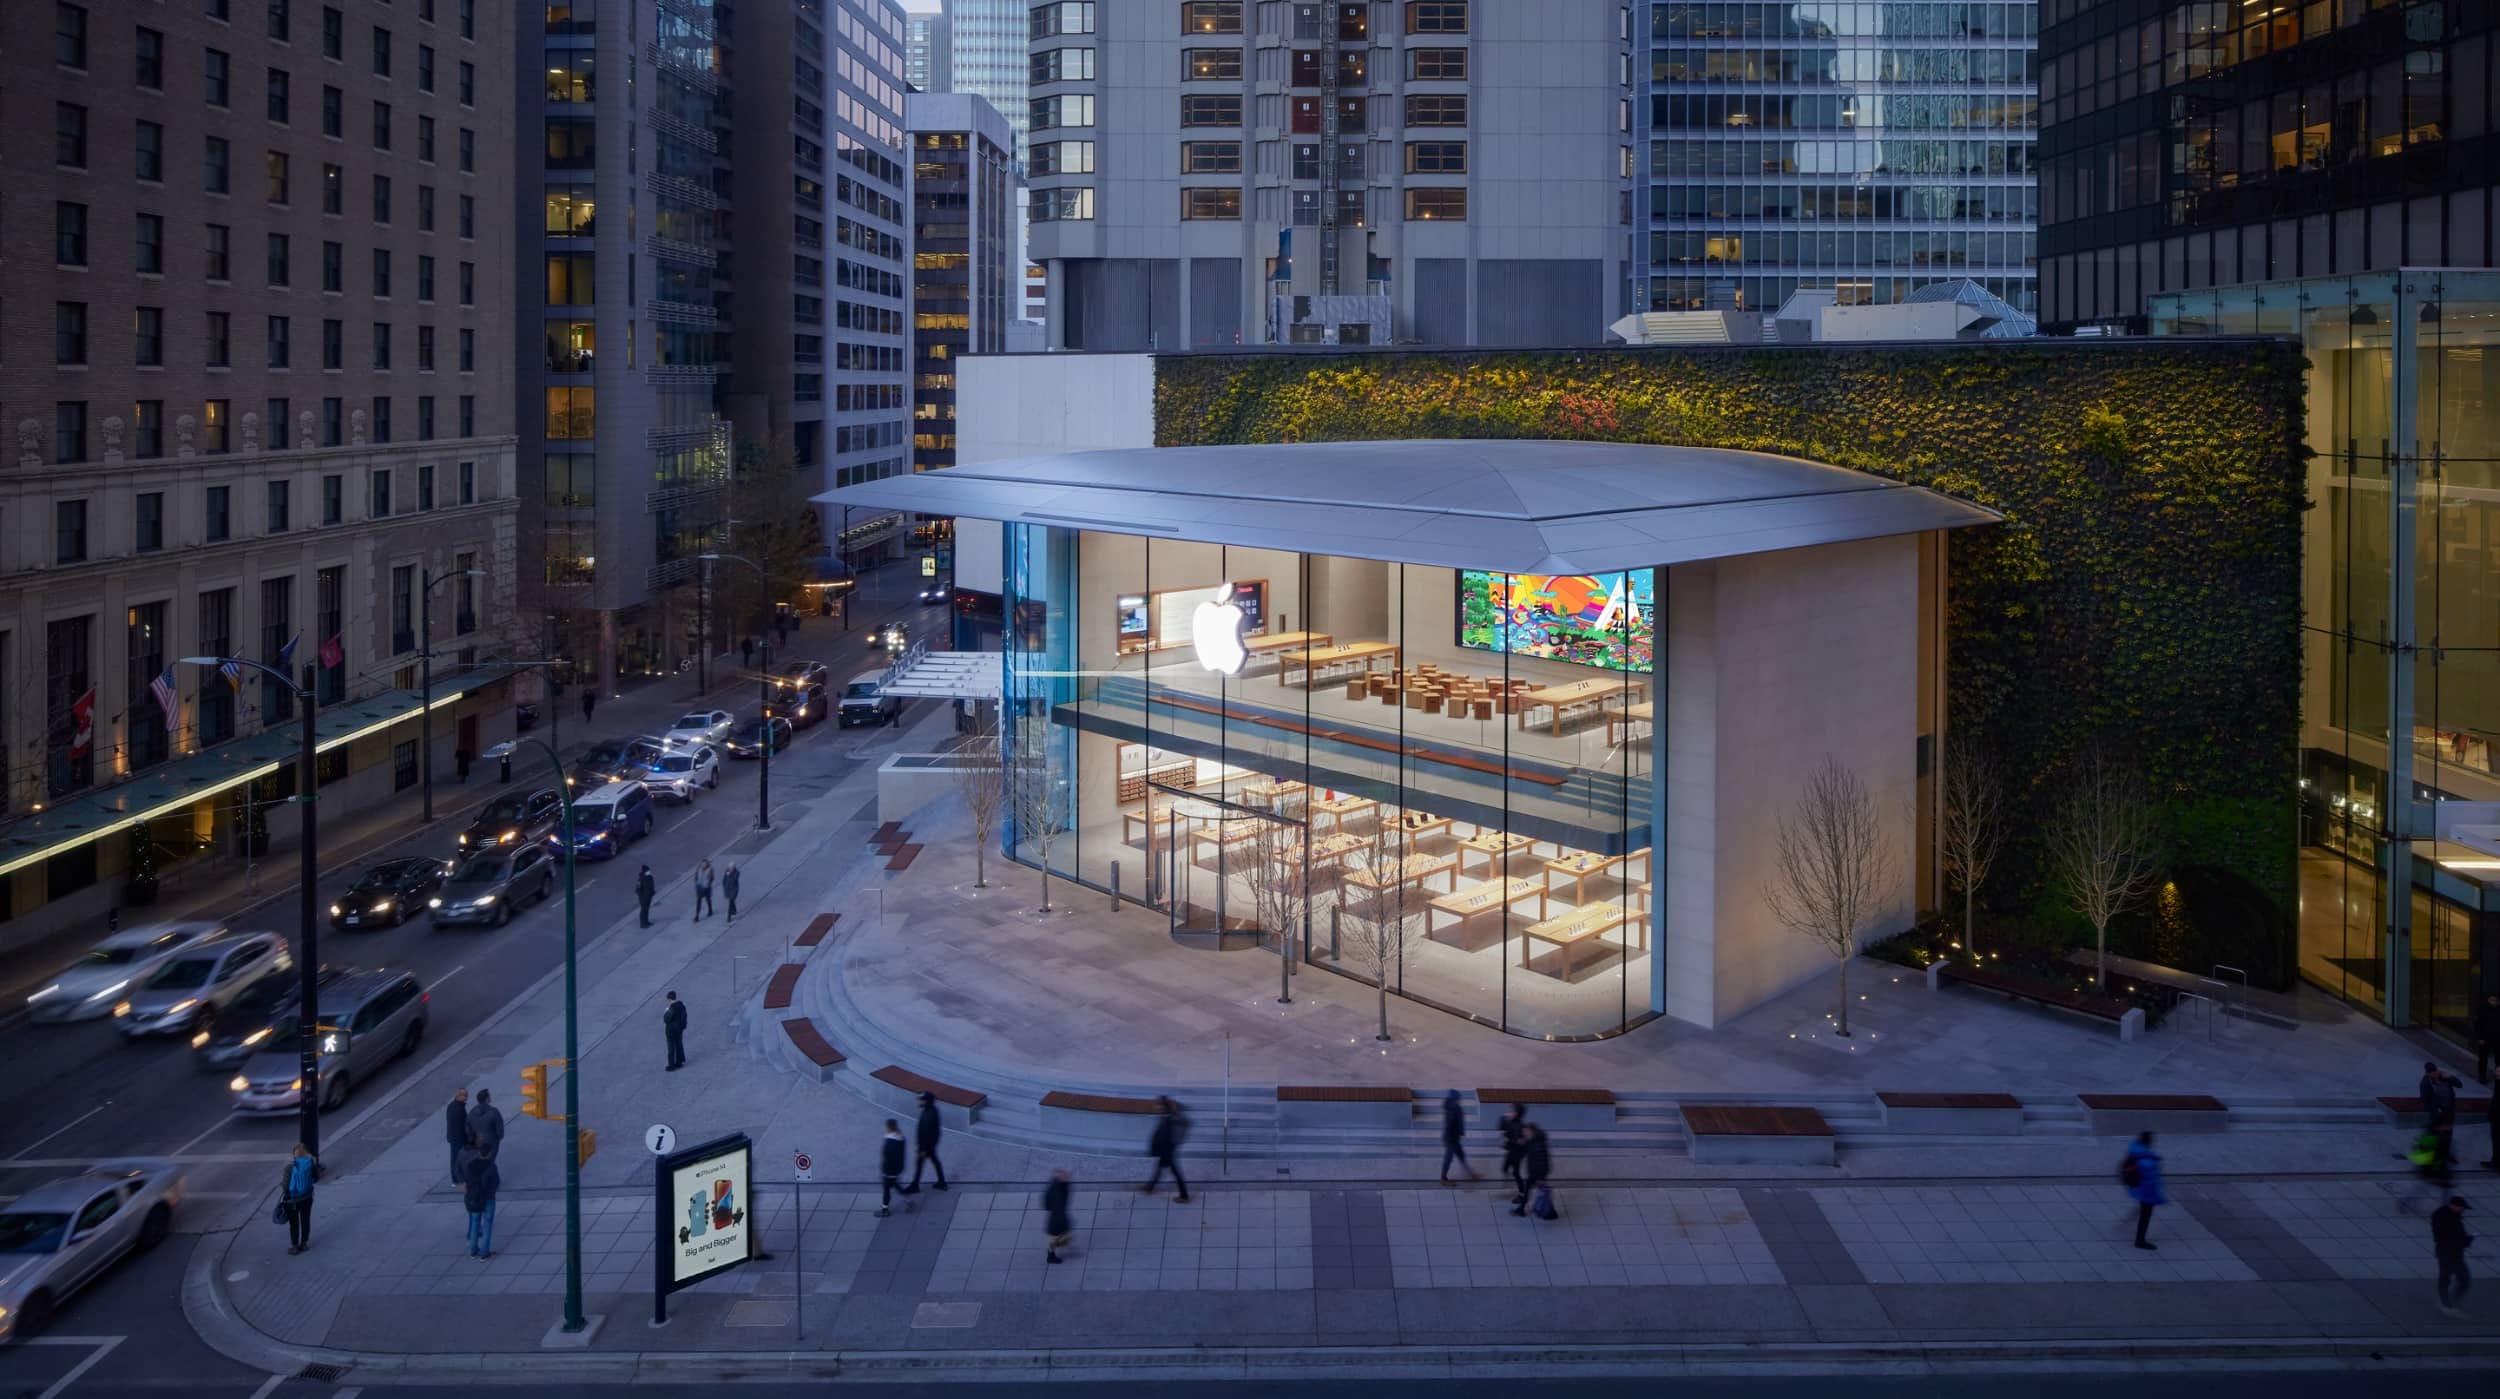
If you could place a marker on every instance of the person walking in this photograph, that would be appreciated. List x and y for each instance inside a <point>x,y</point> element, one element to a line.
<point>2486,1036</point>
<point>644,888</point>
<point>295,1197</point>
<point>2141,1174</point>
<point>590,701</point>
<point>1171,1129</point>
<point>486,1126</point>
<point>702,890</point>
<point>925,1134</point>
<point>673,1025</point>
<point>729,890</point>
<point>1514,1129</point>
<point>456,1132</point>
<point>889,1166</point>
<point>746,652</point>
<point>2438,1091</point>
<point>2449,1242</point>
<point>1057,1228</point>
<point>1453,1127</point>
<point>479,1197</point>
<point>1536,1162</point>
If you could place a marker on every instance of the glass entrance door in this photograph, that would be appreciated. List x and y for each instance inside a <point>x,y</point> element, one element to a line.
<point>1225,870</point>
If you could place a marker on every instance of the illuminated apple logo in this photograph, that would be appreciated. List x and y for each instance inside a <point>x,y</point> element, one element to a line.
<point>1216,627</point>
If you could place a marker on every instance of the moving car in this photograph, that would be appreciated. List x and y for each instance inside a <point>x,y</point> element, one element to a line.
<point>934,594</point>
<point>607,818</point>
<point>702,726</point>
<point>748,741</point>
<point>188,992</point>
<point>57,1238</point>
<point>610,760</point>
<point>266,1007</point>
<point>514,820</point>
<point>678,773</point>
<point>802,675</point>
<point>367,1018</point>
<point>388,894</point>
<point>893,637</point>
<point>92,986</point>
<point>864,701</point>
<point>492,884</point>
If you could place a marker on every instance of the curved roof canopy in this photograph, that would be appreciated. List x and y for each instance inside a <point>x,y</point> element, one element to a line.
<point>1508,506</point>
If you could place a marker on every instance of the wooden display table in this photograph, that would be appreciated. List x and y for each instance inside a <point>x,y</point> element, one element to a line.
<point>1569,932</point>
<point>1626,719</point>
<point>1273,794</point>
<point>1278,641</point>
<point>1565,700</point>
<point>1416,826</point>
<point>1494,846</point>
<point>1313,660</point>
<point>1414,869</point>
<point>1475,906</point>
<point>1341,811</point>
<point>1582,868</point>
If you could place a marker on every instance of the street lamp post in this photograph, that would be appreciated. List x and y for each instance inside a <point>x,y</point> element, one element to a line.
<point>764,774</point>
<point>573,1319</point>
<point>425,664</point>
<point>308,941</point>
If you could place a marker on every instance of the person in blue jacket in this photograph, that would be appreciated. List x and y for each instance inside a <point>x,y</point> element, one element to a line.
<point>2141,1172</point>
<point>296,1193</point>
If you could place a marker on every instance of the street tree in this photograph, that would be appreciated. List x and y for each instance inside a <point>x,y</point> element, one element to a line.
<point>1831,867</point>
<point>1034,797</point>
<point>1973,826</point>
<point>1274,858</point>
<point>776,524</point>
<point>982,782</point>
<point>1385,920</point>
<point>2104,847</point>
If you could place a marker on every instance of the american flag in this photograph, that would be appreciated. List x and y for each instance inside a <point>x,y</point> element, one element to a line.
<point>166,699</point>
<point>233,671</point>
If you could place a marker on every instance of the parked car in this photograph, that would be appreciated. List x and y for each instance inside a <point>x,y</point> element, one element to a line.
<point>366,1019</point>
<point>188,992</point>
<point>91,986</point>
<point>748,741</point>
<point>802,675</point>
<point>265,1007</point>
<point>520,819</point>
<point>607,818</point>
<point>610,760</point>
<point>890,638</point>
<point>864,701</point>
<point>58,1237</point>
<point>389,894</point>
<point>702,726</point>
<point>681,772</point>
<point>492,883</point>
<point>802,708</point>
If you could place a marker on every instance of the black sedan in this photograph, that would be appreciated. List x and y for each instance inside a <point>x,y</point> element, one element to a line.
<point>609,760</point>
<point>748,739</point>
<point>252,1018</point>
<point>801,708</point>
<point>384,895</point>
<point>513,820</point>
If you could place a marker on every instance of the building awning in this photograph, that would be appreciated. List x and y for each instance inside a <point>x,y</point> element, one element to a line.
<point>173,786</point>
<point>1507,506</point>
<point>925,674</point>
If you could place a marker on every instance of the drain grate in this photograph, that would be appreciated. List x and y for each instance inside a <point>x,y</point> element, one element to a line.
<point>323,1374</point>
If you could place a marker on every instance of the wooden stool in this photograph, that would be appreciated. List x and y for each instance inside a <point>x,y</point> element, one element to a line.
<point>1355,689</point>
<point>1484,709</point>
<point>1432,702</point>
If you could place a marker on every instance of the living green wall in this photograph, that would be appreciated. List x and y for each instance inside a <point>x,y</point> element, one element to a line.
<point>2143,594</point>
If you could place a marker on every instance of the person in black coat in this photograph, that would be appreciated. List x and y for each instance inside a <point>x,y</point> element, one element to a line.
<point>2449,1242</point>
<point>1514,1130</point>
<point>456,1132</point>
<point>645,888</point>
<point>673,1025</point>
<point>925,1134</point>
<point>2486,1036</point>
<point>1536,1162</point>
<point>486,1126</point>
<point>889,1166</point>
<point>1171,1129</point>
<point>1056,1225</point>
<point>1453,1128</point>
<point>2438,1091</point>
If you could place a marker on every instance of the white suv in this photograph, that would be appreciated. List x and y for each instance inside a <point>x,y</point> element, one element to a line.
<point>679,772</point>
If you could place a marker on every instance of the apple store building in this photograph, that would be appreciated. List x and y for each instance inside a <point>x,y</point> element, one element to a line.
<point>1512,723</point>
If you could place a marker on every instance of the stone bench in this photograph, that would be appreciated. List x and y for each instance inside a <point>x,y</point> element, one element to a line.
<point>899,1088</point>
<point>2125,1114</point>
<point>1975,1114</point>
<point>1334,1106</point>
<point>1095,1115</point>
<point>817,927</point>
<point>1567,1108</point>
<point>778,990</point>
<point>1748,1136</point>
<point>2129,1019</point>
<point>811,1044</point>
<point>2408,1112</point>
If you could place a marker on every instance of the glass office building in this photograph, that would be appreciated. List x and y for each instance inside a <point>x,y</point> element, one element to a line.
<point>1870,146</point>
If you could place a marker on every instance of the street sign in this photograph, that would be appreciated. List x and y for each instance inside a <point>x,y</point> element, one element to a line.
<point>660,1139</point>
<point>928,565</point>
<point>804,1166</point>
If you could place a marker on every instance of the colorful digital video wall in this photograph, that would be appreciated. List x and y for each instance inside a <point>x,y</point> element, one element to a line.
<point>1601,621</point>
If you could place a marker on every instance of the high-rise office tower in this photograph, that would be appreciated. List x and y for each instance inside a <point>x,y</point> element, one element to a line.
<point>1870,148</point>
<point>869,229</point>
<point>928,52</point>
<point>1219,172</point>
<point>989,57</point>
<point>963,246</point>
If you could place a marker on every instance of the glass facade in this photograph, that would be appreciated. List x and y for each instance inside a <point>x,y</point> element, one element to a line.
<point>2400,899</point>
<point>1436,777</point>
<point>986,57</point>
<point>1871,146</point>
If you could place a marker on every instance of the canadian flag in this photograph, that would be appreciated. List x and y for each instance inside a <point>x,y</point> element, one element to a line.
<point>82,725</point>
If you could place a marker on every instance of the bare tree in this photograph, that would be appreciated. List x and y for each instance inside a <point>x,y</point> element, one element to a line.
<point>983,785</point>
<point>1032,793</point>
<point>1974,826</point>
<point>1385,922</point>
<point>1274,873</point>
<point>2102,846</point>
<point>1832,866</point>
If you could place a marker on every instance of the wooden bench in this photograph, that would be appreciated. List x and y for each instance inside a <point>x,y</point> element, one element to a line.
<point>1976,1114</point>
<point>1100,1116</point>
<point>2125,1114</point>
<point>1560,1107</point>
<point>2408,1112</point>
<point>777,991</point>
<point>1345,1106</point>
<point>1749,1136</point>
<point>902,856</point>
<point>900,1089</point>
<point>885,832</point>
<point>805,1038</point>
<point>817,927</point>
<point>2129,1019</point>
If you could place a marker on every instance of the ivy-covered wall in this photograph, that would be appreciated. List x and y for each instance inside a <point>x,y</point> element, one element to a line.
<point>2143,594</point>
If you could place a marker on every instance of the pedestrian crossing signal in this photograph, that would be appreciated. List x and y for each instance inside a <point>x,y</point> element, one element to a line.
<point>586,1145</point>
<point>534,1091</point>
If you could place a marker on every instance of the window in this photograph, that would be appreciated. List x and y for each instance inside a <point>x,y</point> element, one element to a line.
<point>277,177</point>
<point>216,68</point>
<point>220,518</point>
<point>425,433</point>
<point>147,428</point>
<point>1066,109</point>
<point>468,482</point>
<point>148,534</point>
<point>69,35</point>
<point>278,20</point>
<point>220,252</point>
<point>425,68</point>
<point>148,151</point>
<point>1062,205</point>
<point>69,445</point>
<point>425,138</point>
<point>381,126</point>
<point>333,112</point>
<point>1436,157</point>
<point>380,486</point>
<point>278,425</point>
<point>1208,65</point>
<point>1211,17</point>
<point>1436,109</point>
<point>425,349</point>
<point>570,412</point>
<point>148,55</point>
<point>281,270</point>
<point>425,484</point>
<point>381,52</point>
<point>1210,110</point>
<point>1068,65</point>
<point>468,416</point>
<point>381,199</point>
<point>468,19</point>
<point>468,84</point>
<point>1062,17</point>
<point>381,417</point>
<point>404,625</point>
<point>572,143</point>
<point>381,344</point>
<point>333,32</point>
<point>277,516</point>
<point>425,208</point>
<point>213,424</point>
<point>1063,158</point>
<point>468,151</point>
<point>147,333</point>
<point>148,244</point>
<point>69,135</point>
<point>1436,16</point>
<point>425,277</point>
<point>215,164</point>
<point>334,344</point>
<point>219,339</point>
<point>468,216</point>
<point>1436,65</point>
<point>333,487</point>
<point>333,274</point>
<point>1210,203</point>
<point>1210,157</point>
<point>69,529</point>
<point>330,604</point>
<point>333,432</point>
<point>333,189</point>
<point>280,352</point>
<point>69,234</point>
<point>216,638</point>
<point>569,278</point>
<point>69,332</point>
<point>381,272</point>
<point>1426,205</point>
<point>280,95</point>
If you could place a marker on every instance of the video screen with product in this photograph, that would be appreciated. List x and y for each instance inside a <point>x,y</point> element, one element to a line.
<point>1601,621</point>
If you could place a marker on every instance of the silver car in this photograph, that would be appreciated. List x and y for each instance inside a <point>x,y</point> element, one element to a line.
<point>57,1238</point>
<point>493,884</point>
<point>127,958</point>
<point>366,1019</point>
<point>702,726</point>
<point>187,992</point>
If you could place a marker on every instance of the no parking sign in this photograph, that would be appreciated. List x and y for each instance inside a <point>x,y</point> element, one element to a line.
<point>803,1166</point>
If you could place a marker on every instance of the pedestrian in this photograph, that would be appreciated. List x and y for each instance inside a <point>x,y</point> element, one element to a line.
<point>1057,1228</point>
<point>746,652</point>
<point>2449,1241</point>
<point>479,1197</point>
<point>2438,1092</point>
<point>1536,1162</point>
<point>590,701</point>
<point>729,890</point>
<point>925,1134</point>
<point>889,1166</point>
<point>1514,1128</point>
<point>644,888</point>
<point>1171,1129</point>
<point>673,1024</point>
<point>486,1126</point>
<point>2486,1036</point>
<point>1453,1127</point>
<point>456,1132</point>
<point>702,890</point>
<point>2141,1174</point>
<point>295,1198</point>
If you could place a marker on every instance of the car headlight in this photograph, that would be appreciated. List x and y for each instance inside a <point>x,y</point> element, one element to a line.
<point>110,992</point>
<point>257,1036</point>
<point>507,837</point>
<point>464,837</point>
<point>240,1083</point>
<point>484,900</point>
<point>384,905</point>
<point>295,1084</point>
<point>180,1006</point>
<point>121,1008</point>
<point>433,903</point>
<point>52,990</point>
<point>200,1040</point>
<point>334,910</point>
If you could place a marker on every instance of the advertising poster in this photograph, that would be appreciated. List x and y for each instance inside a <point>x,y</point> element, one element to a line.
<point>708,1230</point>
<point>1599,621</point>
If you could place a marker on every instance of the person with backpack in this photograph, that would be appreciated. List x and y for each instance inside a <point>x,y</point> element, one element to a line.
<point>1171,1129</point>
<point>2449,1242</point>
<point>1056,1226</point>
<point>295,1198</point>
<point>1536,1163</point>
<point>2140,1172</point>
<point>1453,1129</point>
<point>1514,1129</point>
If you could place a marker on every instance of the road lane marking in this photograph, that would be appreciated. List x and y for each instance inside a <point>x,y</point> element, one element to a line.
<point>213,1129</point>
<point>64,1127</point>
<point>267,1385</point>
<point>103,1347</point>
<point>437,983</point>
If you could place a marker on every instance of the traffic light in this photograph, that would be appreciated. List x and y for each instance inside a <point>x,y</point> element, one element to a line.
<point>534,1091</point>
<point>587,1145</point>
